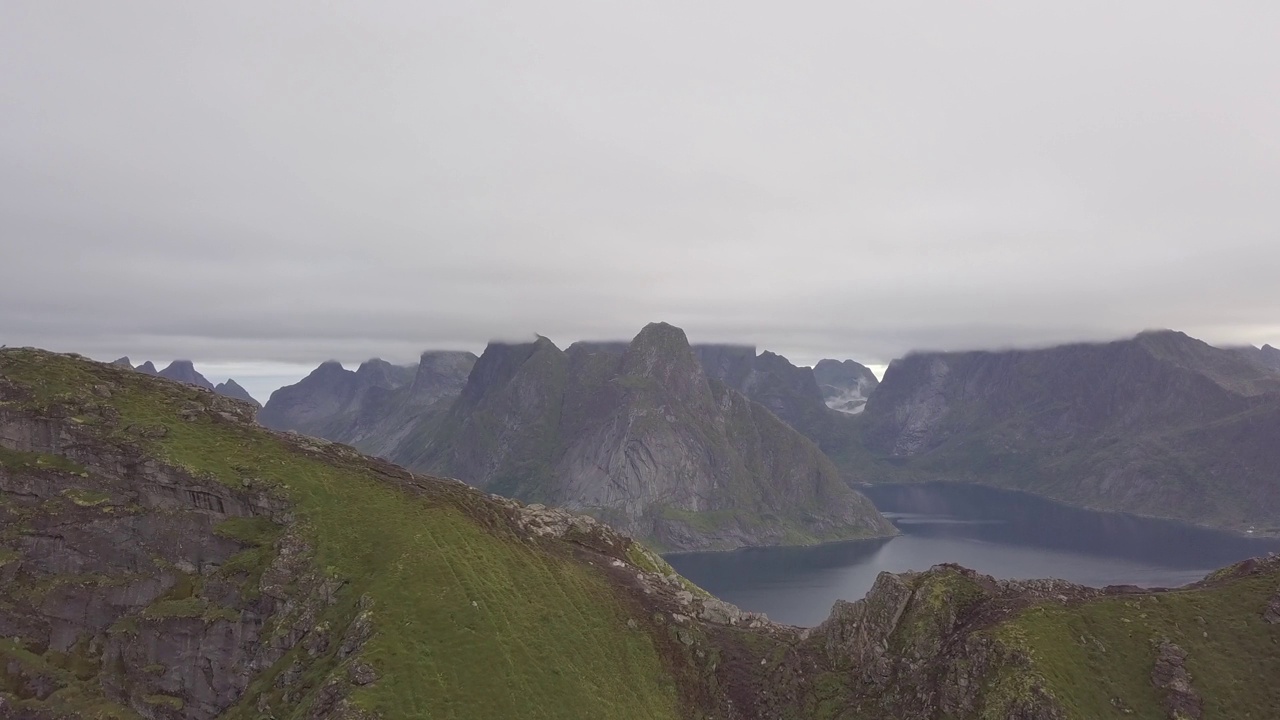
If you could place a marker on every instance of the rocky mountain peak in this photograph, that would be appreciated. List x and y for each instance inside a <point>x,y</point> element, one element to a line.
<point>147,367</point>
<point>662,352</point>
<point>329,368</point>
<point>123,361</point>
<point>1269,356</point>
<point>232,389</point>
<point>377,372</point>
<point>845,385</point>
<point>184,371</point>
<point>440,374</point>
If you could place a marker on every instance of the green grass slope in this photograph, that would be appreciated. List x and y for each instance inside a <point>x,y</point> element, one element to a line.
<point>1097,658</point>
<point>471,621</point>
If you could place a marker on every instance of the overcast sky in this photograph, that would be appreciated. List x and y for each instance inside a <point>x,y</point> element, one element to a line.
<point>267,185</point>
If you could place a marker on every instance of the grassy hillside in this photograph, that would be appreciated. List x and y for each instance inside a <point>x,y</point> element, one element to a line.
<point>1097,658</point>
<point>473,621</point>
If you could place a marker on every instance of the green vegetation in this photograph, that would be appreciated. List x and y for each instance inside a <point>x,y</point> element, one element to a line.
<point>255,531</point>
<point>1090,654</point>
<point>470,621</point>
<point>18,460</point>
<point>185,608</point>
<point>86,498</point>
<point>168,701</point>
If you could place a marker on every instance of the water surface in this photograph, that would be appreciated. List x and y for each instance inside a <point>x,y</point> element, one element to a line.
<point>997,532</point>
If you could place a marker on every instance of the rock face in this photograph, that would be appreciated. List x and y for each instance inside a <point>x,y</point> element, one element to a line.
<point>641,438</point>
<point>1171,678</point>
<point>845,385</point>
<point>373,408</point>
<point>1162,424</point>
<point>788,391</point>
<point>162,556</point>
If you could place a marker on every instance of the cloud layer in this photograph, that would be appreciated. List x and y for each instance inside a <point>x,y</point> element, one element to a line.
<point>290,182</point>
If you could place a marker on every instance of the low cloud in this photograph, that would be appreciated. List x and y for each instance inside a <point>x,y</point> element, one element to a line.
<point>290,183</point>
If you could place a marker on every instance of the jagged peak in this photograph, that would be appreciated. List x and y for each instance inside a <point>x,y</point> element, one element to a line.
<point>499,362</point>
<point>661,351</point>
<point>372,364</point>
<point>233,389</point>
<point>329,369</point>
<point>659,332</point>
<point>185,371</point>
<point>123,361</point>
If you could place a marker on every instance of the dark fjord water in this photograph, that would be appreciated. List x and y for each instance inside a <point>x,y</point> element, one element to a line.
<point>997,532</point>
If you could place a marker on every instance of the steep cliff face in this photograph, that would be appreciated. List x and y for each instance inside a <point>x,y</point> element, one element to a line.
<point>1162,424</point>
<point>643,439</point>
<point>162,556</point>
<point>788,391</point>
<point>845,385</point>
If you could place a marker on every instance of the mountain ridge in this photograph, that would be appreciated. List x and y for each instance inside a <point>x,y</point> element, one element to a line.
<point>644,440</point>
<point>1109,425</point>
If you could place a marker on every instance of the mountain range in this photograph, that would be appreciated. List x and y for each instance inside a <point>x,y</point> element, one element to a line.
<point>1160,424</point>
<point>374,407</point>
<point>184,371</point>
<point>636,434</point>
<point>163,556</point>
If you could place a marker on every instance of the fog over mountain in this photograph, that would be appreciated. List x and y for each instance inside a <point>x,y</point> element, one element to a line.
<point>288,183</point>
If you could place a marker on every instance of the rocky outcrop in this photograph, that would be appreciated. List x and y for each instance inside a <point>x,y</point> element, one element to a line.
<point>1161,425</point>
<point>122,562</point>
<point>642,439</point>
<point>1171,678</point>
<point>845,385</point>
<point>1271,614</point>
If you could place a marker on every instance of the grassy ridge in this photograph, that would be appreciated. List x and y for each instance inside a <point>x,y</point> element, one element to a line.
<point>1105,650</point>
<point>470,621</point>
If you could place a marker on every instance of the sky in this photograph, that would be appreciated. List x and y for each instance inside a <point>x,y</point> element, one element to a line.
<point>263,186</point>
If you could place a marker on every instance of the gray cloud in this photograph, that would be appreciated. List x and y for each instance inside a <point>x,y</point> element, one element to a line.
<point>289,182</point>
